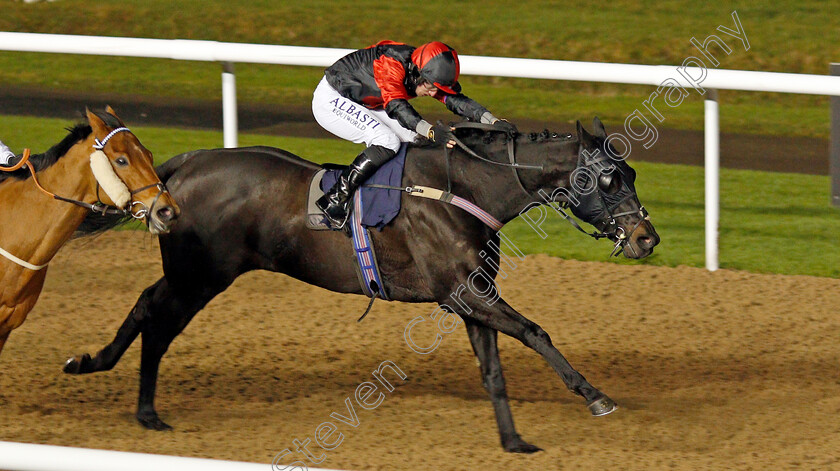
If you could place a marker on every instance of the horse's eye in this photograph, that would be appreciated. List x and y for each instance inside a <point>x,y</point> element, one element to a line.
<point>609,182</point>
<point>122,161</point>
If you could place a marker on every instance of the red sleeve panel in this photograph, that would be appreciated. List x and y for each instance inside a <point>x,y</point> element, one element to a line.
<point>389,75</point>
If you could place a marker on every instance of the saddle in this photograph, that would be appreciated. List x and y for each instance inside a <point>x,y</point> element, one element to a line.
<point>375,204</point>
<point>380,196</point>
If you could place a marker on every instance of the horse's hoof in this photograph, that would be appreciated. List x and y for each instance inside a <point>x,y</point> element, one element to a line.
<point>602,406</point>
<point>521,446</point>
<point>74,366</point>
<point>153,422</point>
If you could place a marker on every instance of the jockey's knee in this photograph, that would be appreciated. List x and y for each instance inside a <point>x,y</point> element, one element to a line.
<point>379,154</point>
<point>388,141</point>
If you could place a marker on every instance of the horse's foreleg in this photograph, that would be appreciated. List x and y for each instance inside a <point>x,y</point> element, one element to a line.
<point>171,310</point>
<point>3,338</point>
<point>108,357</point>
<point>484,345</point>
<point>12,317</point>
<point>502,317</point>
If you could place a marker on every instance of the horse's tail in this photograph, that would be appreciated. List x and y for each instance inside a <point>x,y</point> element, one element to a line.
<point>96,223</point>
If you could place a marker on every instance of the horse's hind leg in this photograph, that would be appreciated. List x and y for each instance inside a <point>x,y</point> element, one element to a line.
<point>502,317</point>
<point>108,357</point>
<point>484,345</point>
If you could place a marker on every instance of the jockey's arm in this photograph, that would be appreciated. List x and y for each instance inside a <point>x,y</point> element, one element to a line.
<point>5,154</point>
<point>465,106</point>
<point>401,110</point>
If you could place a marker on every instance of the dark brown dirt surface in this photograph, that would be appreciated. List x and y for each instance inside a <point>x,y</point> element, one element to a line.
<point>741,151</point>
<point>722,370</point>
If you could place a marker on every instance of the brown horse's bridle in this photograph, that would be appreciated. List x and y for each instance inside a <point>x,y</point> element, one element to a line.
<point>99,207</point>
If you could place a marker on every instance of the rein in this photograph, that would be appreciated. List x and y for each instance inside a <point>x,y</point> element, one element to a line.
<point>24,160</point>
<point>510,147</point>
<point>98,207</point>
<point>622,237</point>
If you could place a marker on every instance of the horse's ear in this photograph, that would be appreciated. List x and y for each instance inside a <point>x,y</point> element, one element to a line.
<point>114,114</point>
<point>598,127</point>
<point>99,127</point>
<point>582,134</point>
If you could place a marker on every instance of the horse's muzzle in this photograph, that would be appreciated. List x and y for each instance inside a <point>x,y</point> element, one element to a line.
<point>161,219</point>
<point>641,242</point>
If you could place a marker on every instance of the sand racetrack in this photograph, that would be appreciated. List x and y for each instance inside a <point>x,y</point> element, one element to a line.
<point>724,370</point>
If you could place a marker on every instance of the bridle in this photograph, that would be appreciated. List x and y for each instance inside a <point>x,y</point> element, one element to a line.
<point>608,220</point>
<point>99,207</point>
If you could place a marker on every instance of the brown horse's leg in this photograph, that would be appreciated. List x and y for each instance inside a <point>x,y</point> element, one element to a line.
<point>3,338</point>
<point>484,345</point>
<point>505,319</point>
<point>12,318</point>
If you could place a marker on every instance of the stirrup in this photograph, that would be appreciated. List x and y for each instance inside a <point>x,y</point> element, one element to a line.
<point>333,222</point>
<point>337,225</point>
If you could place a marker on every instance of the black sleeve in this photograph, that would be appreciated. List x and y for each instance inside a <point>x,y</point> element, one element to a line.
<point>465,106</point>
<point>401,110</point>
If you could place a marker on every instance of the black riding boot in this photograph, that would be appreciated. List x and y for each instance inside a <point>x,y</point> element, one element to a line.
<point>336,203</point>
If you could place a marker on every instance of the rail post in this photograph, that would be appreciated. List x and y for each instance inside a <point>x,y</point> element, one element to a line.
<point>712,153</point>
<point>834,153</point>
<point>229,117</point>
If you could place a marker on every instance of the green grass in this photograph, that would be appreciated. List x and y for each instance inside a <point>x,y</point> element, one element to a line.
<point>784,36</point>
<point>770,222</point>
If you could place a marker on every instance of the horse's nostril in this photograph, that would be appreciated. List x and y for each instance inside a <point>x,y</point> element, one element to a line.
<point>647,241</point>
<point>165,214</point>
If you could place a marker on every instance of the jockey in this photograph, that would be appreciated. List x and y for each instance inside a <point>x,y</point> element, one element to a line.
<point>363,97</point>
<point>6,155</point>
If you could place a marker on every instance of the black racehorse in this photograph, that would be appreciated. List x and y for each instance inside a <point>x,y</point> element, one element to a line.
<point>244,209</point>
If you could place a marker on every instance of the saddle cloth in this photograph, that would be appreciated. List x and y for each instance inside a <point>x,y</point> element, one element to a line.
<point>381,205</point>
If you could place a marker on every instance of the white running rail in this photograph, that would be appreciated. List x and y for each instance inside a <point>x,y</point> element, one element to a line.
<point>230,53</point>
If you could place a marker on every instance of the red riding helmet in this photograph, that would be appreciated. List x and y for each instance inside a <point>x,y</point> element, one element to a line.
<point>438,64</point>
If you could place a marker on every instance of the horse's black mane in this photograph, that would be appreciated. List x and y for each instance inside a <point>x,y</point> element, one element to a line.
<point>546,135</point>
<point>78,133</point>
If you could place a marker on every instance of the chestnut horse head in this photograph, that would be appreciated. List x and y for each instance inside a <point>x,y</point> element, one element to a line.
<point>99,167</point>
<point>124,169</point>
